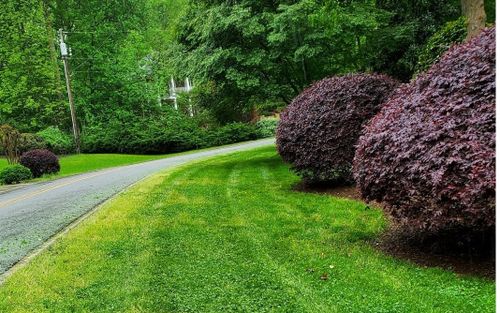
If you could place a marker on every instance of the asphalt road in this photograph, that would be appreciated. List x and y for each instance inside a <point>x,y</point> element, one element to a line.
<point>32,214</point>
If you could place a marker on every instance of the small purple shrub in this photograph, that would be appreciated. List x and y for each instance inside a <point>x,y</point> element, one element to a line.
<point>429,155</point>
<point>318,131</point>
<point>40,162</point>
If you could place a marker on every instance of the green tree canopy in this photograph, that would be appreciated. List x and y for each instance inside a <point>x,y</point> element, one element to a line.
<point>31,91</point>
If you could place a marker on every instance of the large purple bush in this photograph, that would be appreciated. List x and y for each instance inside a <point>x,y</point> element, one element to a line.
<point>40,162</point>
<point>429,155</point>
<point>319,129</point>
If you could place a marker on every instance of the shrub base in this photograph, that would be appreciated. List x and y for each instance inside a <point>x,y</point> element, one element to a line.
<point>462,251</point>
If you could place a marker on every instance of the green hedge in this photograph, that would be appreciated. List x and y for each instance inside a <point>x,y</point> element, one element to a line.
<point>267,127</point>
<point>230,133</point>
<point>170,132</point>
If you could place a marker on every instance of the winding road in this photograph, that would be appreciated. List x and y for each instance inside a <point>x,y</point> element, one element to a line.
<point>32,214</point>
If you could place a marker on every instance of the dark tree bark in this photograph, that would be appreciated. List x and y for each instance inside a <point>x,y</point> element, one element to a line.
<point>473,10</point>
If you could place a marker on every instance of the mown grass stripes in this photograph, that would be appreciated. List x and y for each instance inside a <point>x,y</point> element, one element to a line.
<point>230,235</point>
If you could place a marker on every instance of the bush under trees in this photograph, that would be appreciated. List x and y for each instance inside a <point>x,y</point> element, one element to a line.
<point>231,133</point>
<point>14,174</point>
<point>13,143</point>
<point>9,142</point>
<point>169,132</point>
<point>126,133</point>
<point>57,141</point>
<point>318,131</point>
<point>267,127</point>
<point>429,155</point>
<point>40,162</point>
<point>29,141</point>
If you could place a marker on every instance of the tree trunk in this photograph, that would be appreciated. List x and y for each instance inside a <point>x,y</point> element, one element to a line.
<point>473,10</point>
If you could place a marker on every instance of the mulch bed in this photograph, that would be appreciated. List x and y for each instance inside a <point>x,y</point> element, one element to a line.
<point>338,191</point>
<point>402,246</point>
<point>399,244</point>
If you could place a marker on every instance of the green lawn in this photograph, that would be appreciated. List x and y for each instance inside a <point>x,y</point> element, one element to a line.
<point>82,163</point>
<point>229,235</point>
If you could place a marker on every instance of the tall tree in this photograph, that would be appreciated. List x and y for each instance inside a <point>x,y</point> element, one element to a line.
<point>395,48</point>
<point>31,93</point>
<point>249,52</point>
<point>474,11</point>
<point>111,57</point>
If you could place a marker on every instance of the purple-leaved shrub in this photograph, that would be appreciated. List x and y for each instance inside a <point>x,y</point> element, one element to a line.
<point>318,131</point>
<point>429,155</point>
<point>40,162</point>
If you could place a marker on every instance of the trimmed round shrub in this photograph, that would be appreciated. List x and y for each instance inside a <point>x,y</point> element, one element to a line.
<point>40,162</point>
<point>14,174</point>
<point>317,132</point>
<point>429,155</point>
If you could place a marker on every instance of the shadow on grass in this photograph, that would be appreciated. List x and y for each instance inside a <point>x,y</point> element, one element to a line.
<point>461,251</point>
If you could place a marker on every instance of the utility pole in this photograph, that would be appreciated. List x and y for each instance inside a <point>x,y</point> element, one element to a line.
<point>64,56</point>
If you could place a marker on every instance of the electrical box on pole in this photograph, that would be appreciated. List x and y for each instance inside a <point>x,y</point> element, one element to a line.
<point>64,48</point>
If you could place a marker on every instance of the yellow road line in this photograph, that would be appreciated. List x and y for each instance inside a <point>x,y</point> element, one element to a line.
<point>36,193</point>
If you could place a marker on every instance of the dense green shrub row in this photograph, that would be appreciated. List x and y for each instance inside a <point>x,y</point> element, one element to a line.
<point>267,127</point>
<point>230,133</point>
<point>172,132</point>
